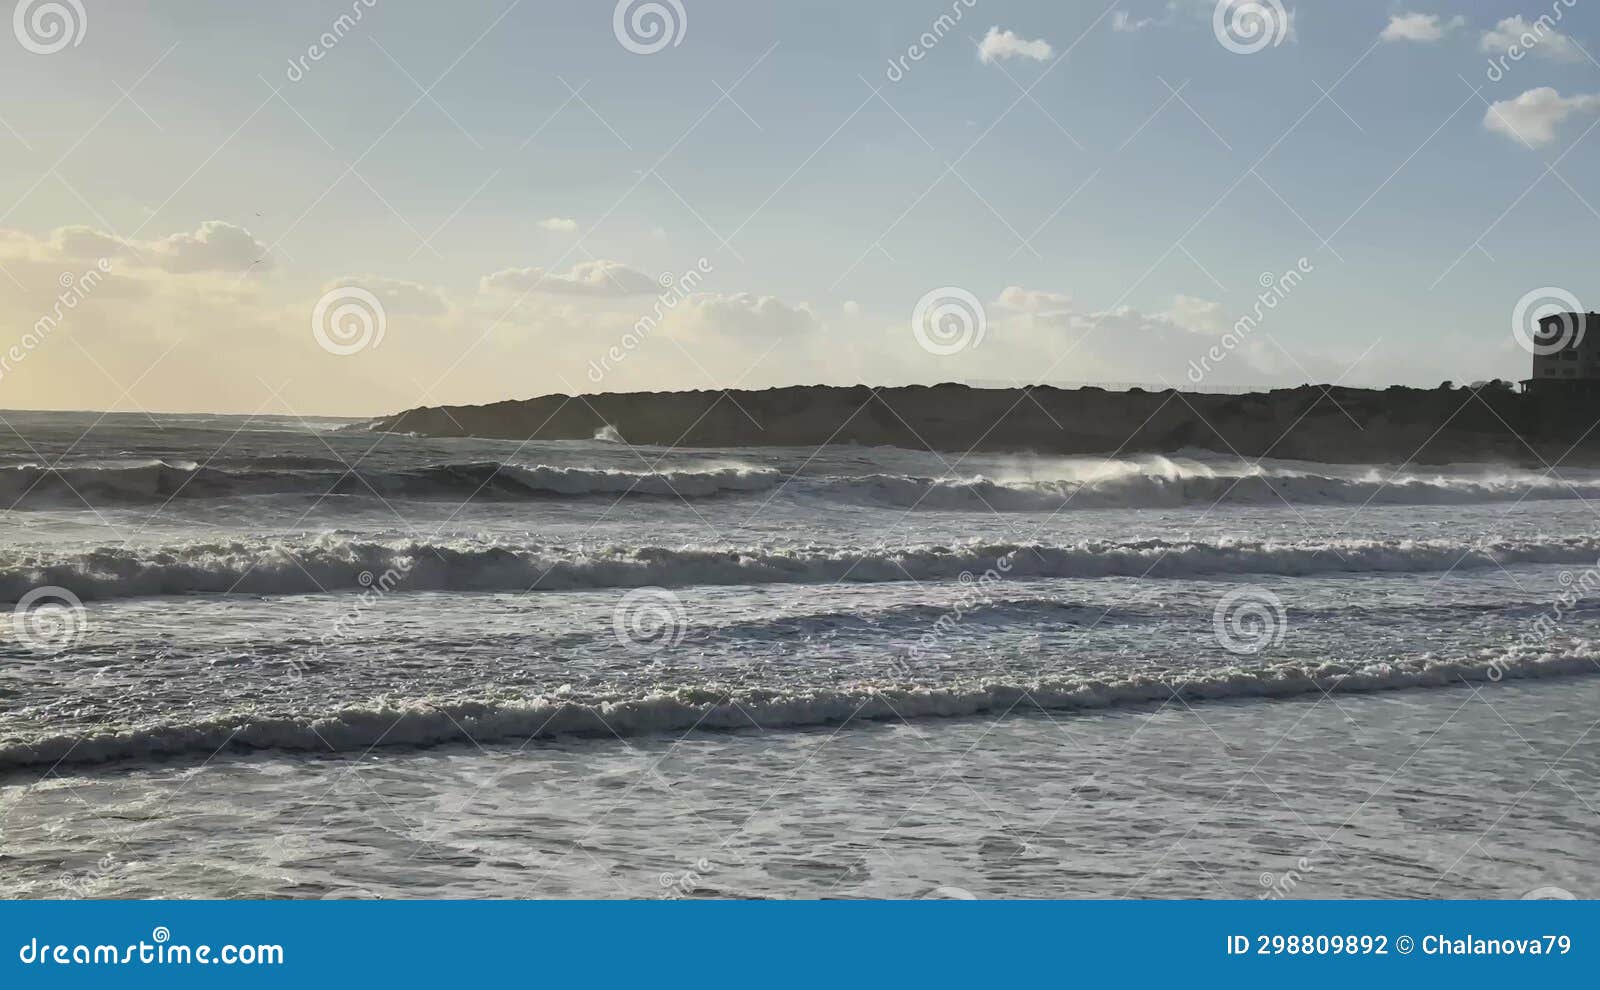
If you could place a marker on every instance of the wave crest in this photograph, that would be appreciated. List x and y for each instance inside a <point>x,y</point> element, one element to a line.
<point>708,708</point>
<point>332,564</point>
<point>159,481</point>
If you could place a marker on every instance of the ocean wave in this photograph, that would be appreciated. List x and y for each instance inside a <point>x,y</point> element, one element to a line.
<point>1190,486</point>
<point>159,481</point>
<point>335,563</point>
<point>1146,481</point>
<point>356,729</point>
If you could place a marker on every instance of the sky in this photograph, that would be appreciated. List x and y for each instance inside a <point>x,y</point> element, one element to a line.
<point>358,206</point>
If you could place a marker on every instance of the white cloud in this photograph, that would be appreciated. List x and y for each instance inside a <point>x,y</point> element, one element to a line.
<point>851,308</point>
<point>1192,313</point>
<point>1412,26</point>
<point>999,44</point>
<point>1020,300</point>
<point>216,246</point>
<point>559,225</point>
<point>1538,37</point>
<point>1131,345</point>
<point>589,278</point>
<point>1533,117</point>
<point>741,314</point>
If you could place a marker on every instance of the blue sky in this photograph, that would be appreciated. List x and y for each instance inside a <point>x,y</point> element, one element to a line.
<point>1112,206</point>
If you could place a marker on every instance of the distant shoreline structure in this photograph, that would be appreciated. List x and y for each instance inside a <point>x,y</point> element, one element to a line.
<point>1488,422</point>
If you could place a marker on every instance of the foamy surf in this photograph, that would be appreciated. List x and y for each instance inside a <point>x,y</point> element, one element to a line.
<point>333,564</point>
<point>1190,486</point>
<point>1141,482</point>
<point>358,729</point>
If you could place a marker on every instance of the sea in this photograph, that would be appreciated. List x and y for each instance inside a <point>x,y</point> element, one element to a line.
<point>272,657</point>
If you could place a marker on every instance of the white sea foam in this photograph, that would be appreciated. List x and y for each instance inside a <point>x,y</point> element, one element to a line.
<point>1159,482</point>
<point>1041,485</point>
<point>422,723</point>
<point>332,563</point>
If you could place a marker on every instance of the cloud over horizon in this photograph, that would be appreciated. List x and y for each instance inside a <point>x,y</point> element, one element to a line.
<point>998,44</point>
<point>599,277</point>
<point>1538,38</point>
<point>1534,117</point>
<point>1411,26</point>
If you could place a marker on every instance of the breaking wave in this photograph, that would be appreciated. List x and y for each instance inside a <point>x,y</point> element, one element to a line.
<point>158,481</point>
<point>1148,481</point>
<point>356,729</point>
<point>1153,487</point>
<point>332,563</point>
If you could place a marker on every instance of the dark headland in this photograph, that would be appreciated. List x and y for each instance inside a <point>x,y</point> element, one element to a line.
<point>1310,422</point>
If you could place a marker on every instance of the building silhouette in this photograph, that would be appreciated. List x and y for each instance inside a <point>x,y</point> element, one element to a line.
<point>1566,357</point>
